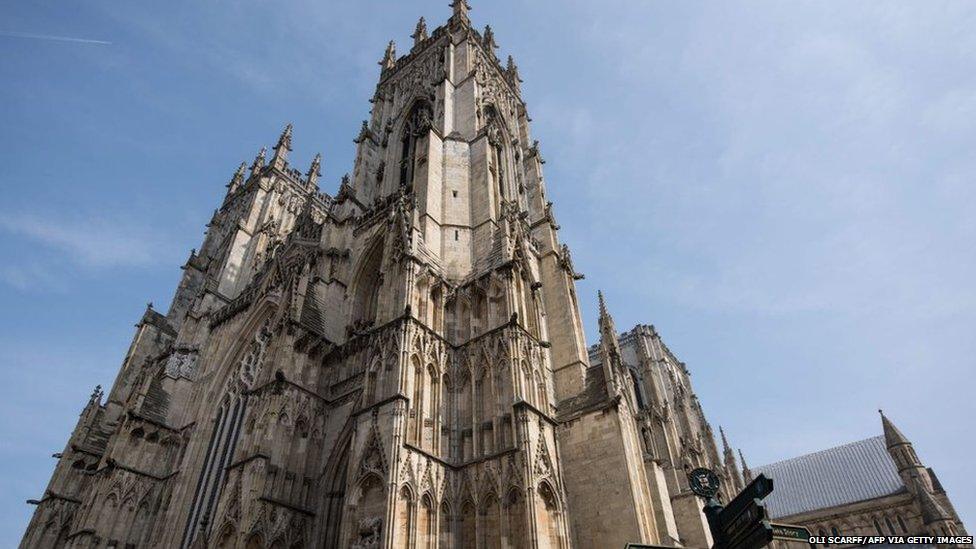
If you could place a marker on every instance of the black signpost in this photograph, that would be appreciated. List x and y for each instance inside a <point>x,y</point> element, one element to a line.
<point>742,524</point>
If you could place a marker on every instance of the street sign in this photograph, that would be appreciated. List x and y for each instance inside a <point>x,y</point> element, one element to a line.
<point>788,532</point>
<point>733,526</point>
<point>759,488</point>
<point>758,536</point>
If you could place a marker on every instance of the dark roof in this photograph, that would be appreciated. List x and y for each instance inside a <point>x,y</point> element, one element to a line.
<point>837,476</point>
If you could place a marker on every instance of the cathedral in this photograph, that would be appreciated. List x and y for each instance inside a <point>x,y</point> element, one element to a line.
<point>399,365</point>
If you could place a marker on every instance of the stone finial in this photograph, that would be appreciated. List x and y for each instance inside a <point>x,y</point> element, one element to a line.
<point>389,57</point>
<point>489,37</point>
<point>746,472</point>
<point>258,160</point>
<point>238,179</point>
<point>96,396</point>
<point>604,314</point>
<point>282,148</point>
<point>512,70</point>
<point>420,33</point>
<point>461,9</point>
<point>315,170</point>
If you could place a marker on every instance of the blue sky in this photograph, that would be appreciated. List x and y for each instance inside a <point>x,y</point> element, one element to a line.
<point>785,189</point>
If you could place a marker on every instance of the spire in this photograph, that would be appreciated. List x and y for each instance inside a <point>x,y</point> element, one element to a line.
<point>728,458</point>
<point>893,437</point>
<point>606,321</point>
<point>746,472</point>
<point>258,161</point>
<point>489,37</point>
<point>911,469</point>
<point>728,455</point>
<point>314,171</point>
<point>389,57</point>
<point>461,9</point>
<point>282,149</point>
<point>511,70</point>
<point>420,33</point>
<point>238,179</point>
<point>726,449</point>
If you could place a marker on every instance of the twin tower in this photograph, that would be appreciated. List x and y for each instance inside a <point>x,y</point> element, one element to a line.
<point>399,365</point>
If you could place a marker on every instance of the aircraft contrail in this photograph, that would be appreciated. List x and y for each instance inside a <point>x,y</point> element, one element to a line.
<point>54,38</point>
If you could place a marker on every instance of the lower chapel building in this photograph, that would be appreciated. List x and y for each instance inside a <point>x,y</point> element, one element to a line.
<point>401,364</point>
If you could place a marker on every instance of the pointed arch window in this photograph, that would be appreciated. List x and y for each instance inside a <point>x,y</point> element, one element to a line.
<point>367,286</point>
<point>226,430</point>
<point>496,155</point>
<point>414,131</point>
<point>635,379</point>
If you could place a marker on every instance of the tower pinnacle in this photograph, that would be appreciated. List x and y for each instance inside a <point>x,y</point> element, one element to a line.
<point>314,171</point>
<point>282,149</point>
<point>238,178</point>
<point>489,37</point>
<point>606,321</point>
<point>746,472</point>
<point>389,57</point>
<point>258,160</point>
<point>461,9</point>
<point>420,33</point>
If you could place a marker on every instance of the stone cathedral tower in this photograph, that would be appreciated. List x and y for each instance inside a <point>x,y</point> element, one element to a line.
<point>400,365</point>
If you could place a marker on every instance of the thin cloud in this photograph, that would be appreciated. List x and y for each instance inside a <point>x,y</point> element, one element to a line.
<point>91,243</point>
<point>52,38</point>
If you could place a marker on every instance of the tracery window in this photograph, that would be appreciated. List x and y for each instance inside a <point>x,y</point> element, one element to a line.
<point>496,155</point>
<point>367,287</point>
<point>225,432</point>
<point>414,131</point>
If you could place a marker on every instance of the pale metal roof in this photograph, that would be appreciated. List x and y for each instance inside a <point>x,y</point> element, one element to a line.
<point>837,476</point>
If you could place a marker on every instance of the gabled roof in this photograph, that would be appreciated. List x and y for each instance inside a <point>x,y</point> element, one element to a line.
<point>850,473</point>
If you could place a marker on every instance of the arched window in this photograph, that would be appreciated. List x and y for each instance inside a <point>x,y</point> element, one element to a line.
<point>225,431</point>
<point>877,526</point>
<point>369,279</point>
<point>901,524</point>
<point>496,155</point>
<point>431,406</point>
<point>425,523</point>
<point>414,132</point>
<point>490,523</point>
<point>445,526</point>
<point>468,527</point>
<point>638,389</point>
<point>404,517</point>
<point>446,419</point>
<point>551,524</point>
<point>891,527</point>
<point>515,514</point>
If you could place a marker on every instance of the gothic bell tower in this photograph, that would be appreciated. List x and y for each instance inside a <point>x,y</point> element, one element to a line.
<point>455,268</point>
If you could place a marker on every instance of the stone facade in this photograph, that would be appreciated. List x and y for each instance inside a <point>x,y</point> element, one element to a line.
<point>402,364</point>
